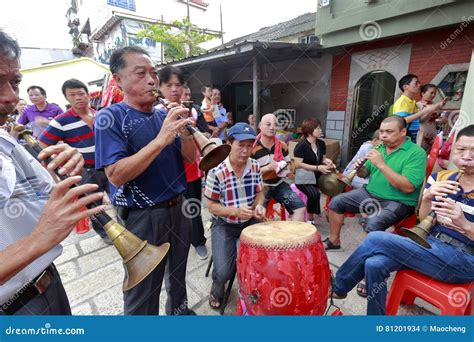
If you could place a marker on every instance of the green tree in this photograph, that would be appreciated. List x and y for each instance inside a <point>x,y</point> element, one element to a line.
<point>181,38</point>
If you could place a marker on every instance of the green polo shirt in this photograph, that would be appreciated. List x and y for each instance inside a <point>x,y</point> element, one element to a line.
<point>408,160</point>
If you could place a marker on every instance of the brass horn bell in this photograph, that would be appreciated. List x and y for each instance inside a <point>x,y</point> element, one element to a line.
<point>139,257</point>
<point>330,184</point>
<point>211,153</point>
<point>420,232</point>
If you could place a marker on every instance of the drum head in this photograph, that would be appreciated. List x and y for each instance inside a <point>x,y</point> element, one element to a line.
<point>279,234</point>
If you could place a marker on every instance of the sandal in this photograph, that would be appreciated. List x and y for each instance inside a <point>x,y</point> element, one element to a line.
<point>216,297</point>
<point>333,294</point>
<point>362,290</point>
<point>328,245</point>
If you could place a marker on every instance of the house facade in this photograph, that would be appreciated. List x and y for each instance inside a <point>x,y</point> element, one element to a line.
<point>100,26</point>
<point>374,43</point>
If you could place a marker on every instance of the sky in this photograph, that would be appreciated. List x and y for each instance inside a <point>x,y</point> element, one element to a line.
<point>43,23</point>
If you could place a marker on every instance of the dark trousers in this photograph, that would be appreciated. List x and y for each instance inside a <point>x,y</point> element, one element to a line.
<point>224,247</point>
<point>53,302</point>
<point>157,226</point>
<point>91,176</point>
<point>193,194</point>
<point>313,205</point>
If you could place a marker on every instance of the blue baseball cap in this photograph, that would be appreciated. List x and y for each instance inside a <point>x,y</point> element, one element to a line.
<point>241,131</point>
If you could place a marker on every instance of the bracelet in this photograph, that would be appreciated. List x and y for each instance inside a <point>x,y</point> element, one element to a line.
<point>317,168</point>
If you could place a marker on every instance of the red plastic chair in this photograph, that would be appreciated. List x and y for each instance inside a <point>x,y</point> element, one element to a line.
<point>271,212</point>
<point>451,299</point>
<point>433,155</point>
<point>407,222</point>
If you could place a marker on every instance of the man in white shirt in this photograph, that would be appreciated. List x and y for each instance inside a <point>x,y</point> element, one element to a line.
<point>35,214</point>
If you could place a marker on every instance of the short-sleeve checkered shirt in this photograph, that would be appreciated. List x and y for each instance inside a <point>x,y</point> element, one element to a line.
<point>225,187</point>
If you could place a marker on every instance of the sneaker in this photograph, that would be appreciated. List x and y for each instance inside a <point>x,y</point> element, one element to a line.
<point>202,253</point>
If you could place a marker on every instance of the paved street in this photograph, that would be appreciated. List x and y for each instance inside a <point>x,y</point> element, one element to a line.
<point>92,274</point>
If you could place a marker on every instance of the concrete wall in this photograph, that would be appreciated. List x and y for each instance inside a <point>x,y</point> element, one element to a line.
<point>302,85</point>
<point>348,22</point>
<point>51,77</point>
<point>431,57</point>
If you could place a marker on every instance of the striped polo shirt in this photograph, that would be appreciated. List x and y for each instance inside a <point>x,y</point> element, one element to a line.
<point>70,129</point>
<point>264,156</point>
<point>225,187</point>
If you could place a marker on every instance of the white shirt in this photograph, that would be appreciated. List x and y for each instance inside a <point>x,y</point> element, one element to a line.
<point>24,190</point>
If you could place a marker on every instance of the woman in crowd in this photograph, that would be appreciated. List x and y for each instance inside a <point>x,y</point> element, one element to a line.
<point>310,163</point>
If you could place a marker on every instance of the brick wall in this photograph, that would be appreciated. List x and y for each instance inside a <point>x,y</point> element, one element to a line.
<point>426,60</point>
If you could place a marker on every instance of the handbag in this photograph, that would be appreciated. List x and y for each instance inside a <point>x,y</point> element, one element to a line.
<point>303,176</point>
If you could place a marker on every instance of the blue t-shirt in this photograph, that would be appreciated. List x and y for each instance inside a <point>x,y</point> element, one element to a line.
<point>120,132</point>
<point>220,120</point>
<point>464,199</point>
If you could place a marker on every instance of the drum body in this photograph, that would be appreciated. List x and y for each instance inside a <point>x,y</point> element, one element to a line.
<point>282,269</point>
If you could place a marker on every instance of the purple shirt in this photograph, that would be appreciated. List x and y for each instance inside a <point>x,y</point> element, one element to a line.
<point>31,113</point>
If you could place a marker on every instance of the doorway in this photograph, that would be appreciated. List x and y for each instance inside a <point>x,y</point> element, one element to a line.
<point>373,96</point>
<point>242,101</point>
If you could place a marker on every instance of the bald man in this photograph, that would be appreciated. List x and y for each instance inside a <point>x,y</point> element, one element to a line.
<point>396,169</point>
<point>274,160</point>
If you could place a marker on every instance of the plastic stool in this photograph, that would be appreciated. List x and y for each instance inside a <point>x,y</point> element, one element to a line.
<point>271,212</point>
<point>451,299</point>
<point>302,197</point>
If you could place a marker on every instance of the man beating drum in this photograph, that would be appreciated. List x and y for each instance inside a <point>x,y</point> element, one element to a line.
<point>234,190</point>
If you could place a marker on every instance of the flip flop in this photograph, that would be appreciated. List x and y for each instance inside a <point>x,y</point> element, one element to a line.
<point>362,290</point>
<point>329,245</point>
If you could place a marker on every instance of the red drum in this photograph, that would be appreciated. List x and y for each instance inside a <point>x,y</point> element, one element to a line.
<point>283,269</point>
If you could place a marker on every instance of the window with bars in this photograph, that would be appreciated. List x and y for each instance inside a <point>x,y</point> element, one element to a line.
<point>126,4</point>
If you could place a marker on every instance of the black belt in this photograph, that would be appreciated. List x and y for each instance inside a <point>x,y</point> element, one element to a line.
<point>454,242</point>
<point>123,212</point>
<point>168,203</point>
<point>31,290</point>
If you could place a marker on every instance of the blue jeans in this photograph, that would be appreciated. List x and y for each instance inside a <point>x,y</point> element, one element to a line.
<point>382,253</point>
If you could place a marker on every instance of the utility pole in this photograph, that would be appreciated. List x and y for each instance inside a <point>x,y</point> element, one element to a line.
<point>188,30</point>
<point>162,47</point>
<point>222,27</point>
